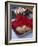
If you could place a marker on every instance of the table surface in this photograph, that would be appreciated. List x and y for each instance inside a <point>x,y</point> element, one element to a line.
<point>15,36</point>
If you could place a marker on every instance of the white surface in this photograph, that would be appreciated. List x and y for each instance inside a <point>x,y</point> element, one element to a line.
<point>20,38</point>
<point>15,36</point>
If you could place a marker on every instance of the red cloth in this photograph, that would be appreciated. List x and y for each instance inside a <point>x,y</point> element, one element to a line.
<point>22,20</point>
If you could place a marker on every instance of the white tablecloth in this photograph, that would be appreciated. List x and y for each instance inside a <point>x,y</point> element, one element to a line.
<point>14,35</point>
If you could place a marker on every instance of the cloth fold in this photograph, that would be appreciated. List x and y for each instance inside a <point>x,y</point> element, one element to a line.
<point>22,20</point>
